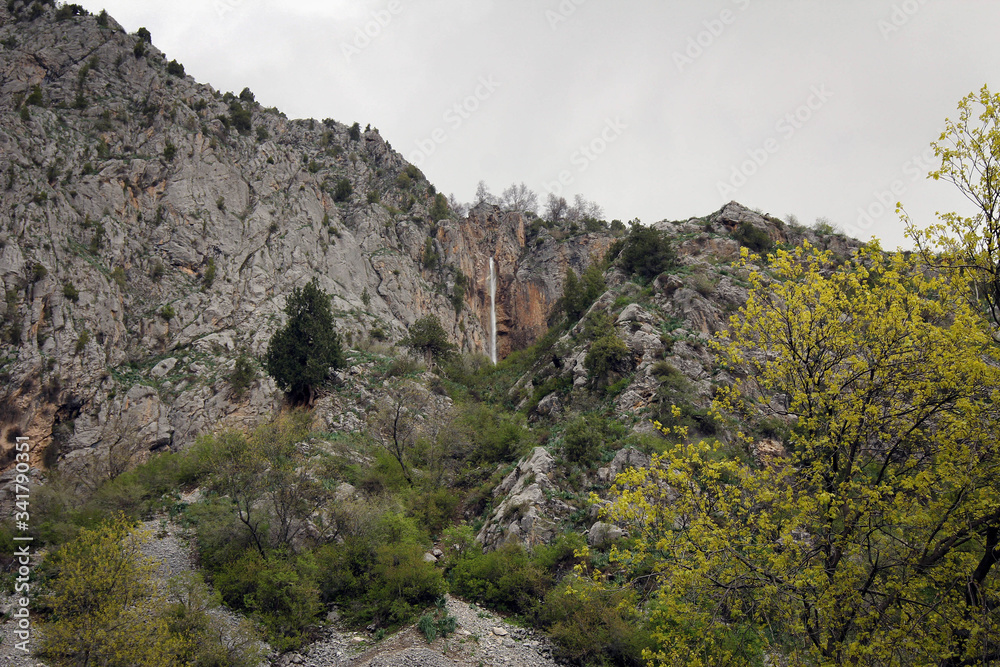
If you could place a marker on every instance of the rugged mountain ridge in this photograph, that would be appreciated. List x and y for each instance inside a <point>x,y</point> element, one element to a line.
<point>151,226</point>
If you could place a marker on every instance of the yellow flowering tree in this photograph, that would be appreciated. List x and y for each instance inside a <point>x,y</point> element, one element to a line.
<point>873,541</point>
<point>969,149</point>
<point>105,606</point>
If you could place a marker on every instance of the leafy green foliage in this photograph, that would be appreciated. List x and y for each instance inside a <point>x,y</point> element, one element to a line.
<point>458,293</point>
<point>592,625</point>
<point>505,579</point>
<point>757,240</point>
<point>844,552</point>
<point>437,624</point>
<point>378,574</point>
<point>343,190</point>
<point>579,294</point>
<point>209,276</point>
<point>35,97</point>
<point>426,336</point>
<point>439,209</point>
<point>71,292</point>
<point>647,252</point>
<point>279,593</point>
<point>582,440</point>
<point>430,256</point>
<point>174,68</point>
<point>194,616</point>
<point>240,117</point>
<point>607,355</point>
<point>103,603</point>
<point>966,247</point>
<point>242,376</point>
<point>300,354</point>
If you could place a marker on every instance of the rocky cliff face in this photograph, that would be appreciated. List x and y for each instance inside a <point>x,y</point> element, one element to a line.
<point>667,328</point>
<point>151,226</point>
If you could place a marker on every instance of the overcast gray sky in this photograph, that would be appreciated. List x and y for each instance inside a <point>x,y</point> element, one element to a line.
<point>655,110</point>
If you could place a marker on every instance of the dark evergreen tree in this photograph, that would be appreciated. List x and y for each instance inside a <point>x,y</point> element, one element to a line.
<point>301,353</point>
<point>428,337</point>
<point>573,296</point>
<point>439,209</point>
<point>647,252</point>
<point>580,293</point>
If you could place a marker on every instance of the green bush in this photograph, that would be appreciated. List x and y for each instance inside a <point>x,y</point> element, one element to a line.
<point>193,616</point>
<point>81,341</point>
<point>435,509</point>
<point>239,117</point>
<point>437,624</point>
<point>70,292</point>
<point>174,68</point>
<point>593,625</point>
<point>505,579</point>
<point>583,440</point>
<point>242,376</point>
<point>496,435</point>
<point>579,294</point>
<point>209,276</point>
<point>646,252</point>
<point>430,255</point>
<point>355,132</point>
<point>342,191</point>
<point>426,336</point>
<point>757,240</point>
<point>169,152</point>
<point>281,594</point>
<point>607,355</point>
<point>378,575</point>
<point>35,97</point>
<point>38,271</point>
<point>220,537</point>
<point>118,275</point>
<point>439,209</point>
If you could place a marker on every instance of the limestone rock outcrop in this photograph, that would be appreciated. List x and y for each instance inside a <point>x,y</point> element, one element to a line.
<point>151,227</point>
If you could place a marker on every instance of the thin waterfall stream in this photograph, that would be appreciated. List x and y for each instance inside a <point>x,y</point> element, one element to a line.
<point>493,313</point>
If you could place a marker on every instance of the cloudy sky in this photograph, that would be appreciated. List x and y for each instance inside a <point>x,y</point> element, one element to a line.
<point>654,109</point>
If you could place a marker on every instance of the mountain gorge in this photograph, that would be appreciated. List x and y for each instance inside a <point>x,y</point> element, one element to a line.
<point>721,439</point>
<point>152,227</point>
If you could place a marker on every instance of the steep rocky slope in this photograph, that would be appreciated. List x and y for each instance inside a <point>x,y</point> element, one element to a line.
<point>668,328</point>
<point>150,228</point>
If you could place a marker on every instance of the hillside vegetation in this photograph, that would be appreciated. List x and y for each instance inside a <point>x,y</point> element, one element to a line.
<point>725,440</point>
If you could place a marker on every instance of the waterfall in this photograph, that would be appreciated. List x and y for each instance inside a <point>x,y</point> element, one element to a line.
<point>493,313</point>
